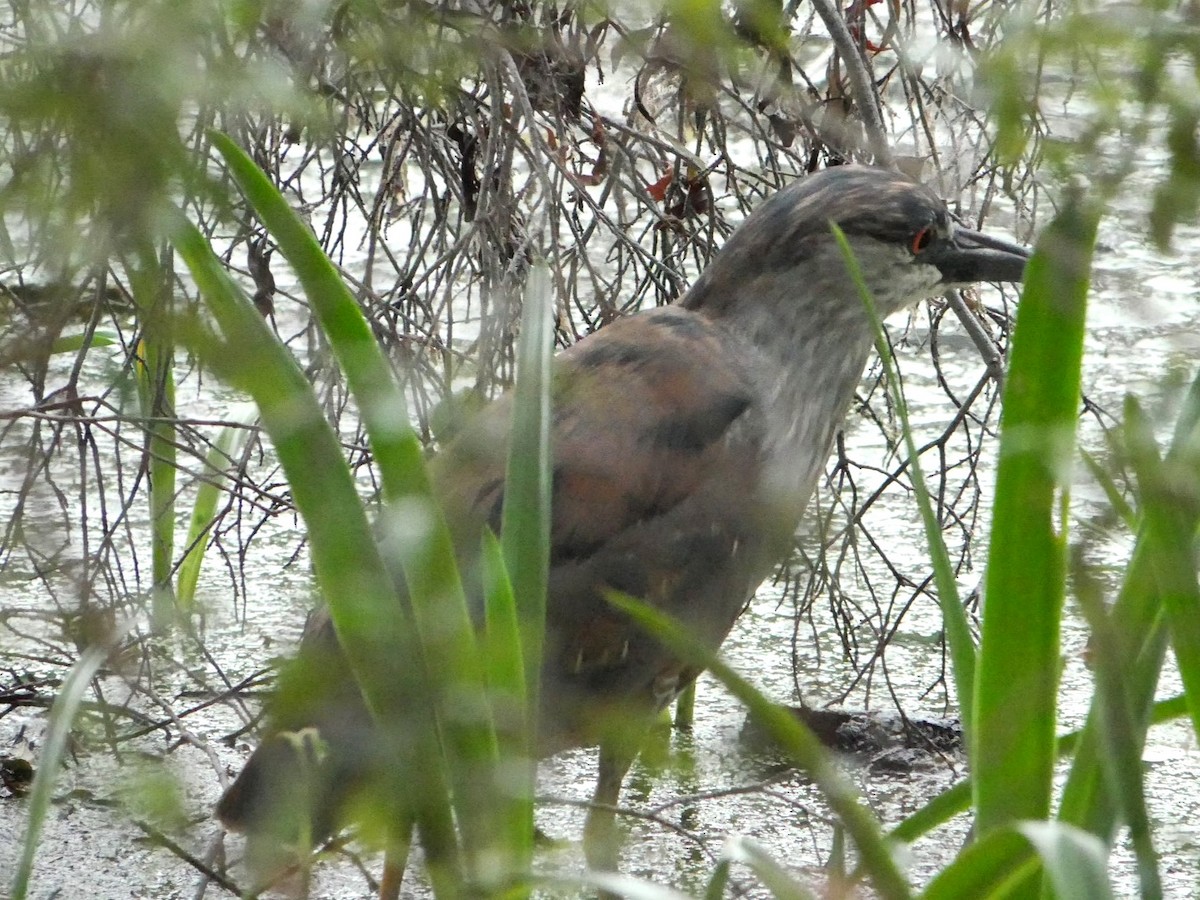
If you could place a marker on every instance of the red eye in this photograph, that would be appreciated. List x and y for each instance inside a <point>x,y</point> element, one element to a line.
<point>922,239</point>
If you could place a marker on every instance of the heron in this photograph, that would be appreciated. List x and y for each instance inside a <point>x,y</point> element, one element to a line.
<point>687,441</point>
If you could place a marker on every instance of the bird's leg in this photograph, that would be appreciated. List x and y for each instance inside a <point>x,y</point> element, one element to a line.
<point>685,707</point>
<point>601,845</point>
<point>395,859</point>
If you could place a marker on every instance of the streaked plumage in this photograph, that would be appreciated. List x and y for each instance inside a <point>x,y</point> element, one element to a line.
<point>687,441</point>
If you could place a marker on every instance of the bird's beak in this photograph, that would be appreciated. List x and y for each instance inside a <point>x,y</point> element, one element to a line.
<point>971,256</point>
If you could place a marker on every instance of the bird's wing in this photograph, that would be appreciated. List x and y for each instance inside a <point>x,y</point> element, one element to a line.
<point>657,434</point>
<point>656,445</point>
<point>642,416</point>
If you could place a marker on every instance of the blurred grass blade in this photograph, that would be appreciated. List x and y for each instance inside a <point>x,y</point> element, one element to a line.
<point>505,669</point>
<point>216,461</point>
<point>1119,729</point>
<point>717,881</point>
<point>54,745</point>
<point>154,368</point>
<point>607,884</point>
<point>1087,800</point>
<point>1112,492</point>
<point>988,867</point>
<point>525,522</point>
<point>70,343</point>
<point>1076,861</point>
<point>941,809</point>
<point>396,447</point>
<point>1138,616</point>
<point>426,554</point>
<point>436,591</point>
<point>956,800</point>
<point>954,616</point>
<point>775,878</point>
<point>997,863</point>
<point>374,633</point>
<point>796,739</point>
<point>1013,743</point>
<point>525,530</point>
<point>156,397</point>
<point>1170,492</point>
<point>502,646</point>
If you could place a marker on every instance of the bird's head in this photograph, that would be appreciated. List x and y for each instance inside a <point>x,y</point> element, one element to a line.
<point>906,244</point>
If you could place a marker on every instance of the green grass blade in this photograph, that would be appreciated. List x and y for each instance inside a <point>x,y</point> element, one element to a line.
<point>607,884</point>
<point>71,343</point>
<point>416,533</point>
<point>54,745</point>
<point>875,852</point>
<point>1013,739</point>
<point>204,510</point>
<point>505,666</point>
<point>1120,738</point>
<point>997,864</point>
<point>397,449</point>
<point>374,632</point>
<point>1138,616</point>
<point>986,868</point>
<point>774,877</point>
<point>1075,860</point>
<point>434,584</point>
<point>156,394</point>
<point>525,523</point>
<point>954,616</point>
<point>717,881</point>
<point>1087,799</point>
<point>941,809</point>
<point>1112,492</point>
<point>1170,492</point>
<point>502,647</point>
<point>957,799</point>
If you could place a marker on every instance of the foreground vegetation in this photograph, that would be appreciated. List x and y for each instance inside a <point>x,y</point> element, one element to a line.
<point>151,148</point>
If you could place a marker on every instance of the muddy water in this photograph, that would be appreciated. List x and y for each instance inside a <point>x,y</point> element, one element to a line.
<point>697,788</point>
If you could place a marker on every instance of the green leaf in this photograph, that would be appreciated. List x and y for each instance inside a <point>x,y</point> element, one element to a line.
<point>1137,616</point>
<point>525,521</point>
<point>505,669</point>
<point>154,368</point>
<point>781,883</point>
<point>229,440</point>
<point>987,867</point>
<point>1013,737</point>
<point>525,525</point>
<point>1171,505</point>
<point>1076,861</point>
<point>941,809</point>
<point>70,343</point>
<point>1120,738</point>
<point>376,635</point>
<point>415,532</point>
<point>54,745</point>
<point>996,864</point>
<point>956,800</point>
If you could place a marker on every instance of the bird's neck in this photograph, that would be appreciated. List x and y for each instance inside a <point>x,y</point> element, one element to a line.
<point>807,353</point>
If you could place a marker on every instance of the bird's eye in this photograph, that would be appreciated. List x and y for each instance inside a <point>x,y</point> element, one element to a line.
<point>922,239</point>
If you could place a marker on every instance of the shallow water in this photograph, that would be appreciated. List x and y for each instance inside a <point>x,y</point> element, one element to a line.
<point>709,788</point>
<point>1144,324</point>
